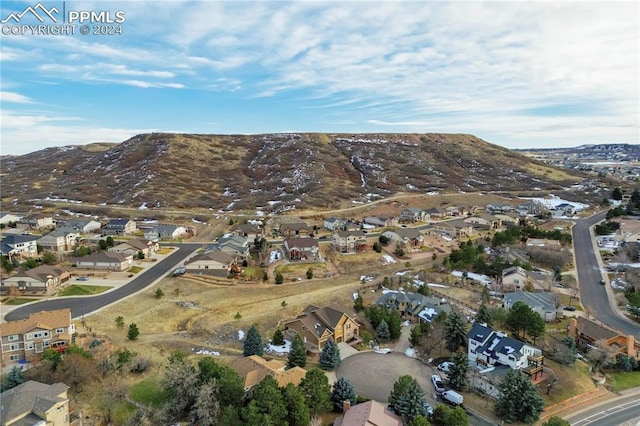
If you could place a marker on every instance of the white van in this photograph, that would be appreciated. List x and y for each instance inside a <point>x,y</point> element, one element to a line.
<point>452,397</point>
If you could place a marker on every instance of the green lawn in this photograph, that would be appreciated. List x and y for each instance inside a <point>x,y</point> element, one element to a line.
<point>19,301</point>
<point>135,269</point>
<point>564,300</point>
<point>82,290</point>
<point>572,381</point>
<point>148,392</point>
<point>122,412</point>
<point>622,381</point>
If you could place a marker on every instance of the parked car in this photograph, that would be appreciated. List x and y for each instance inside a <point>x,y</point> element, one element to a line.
<point>437,383</point>
<point>445,366</point>
<point>452,397</point>
<point>82,279</point>
<point>602,282</point>
<point>570,308</point>
<point>179,271</point>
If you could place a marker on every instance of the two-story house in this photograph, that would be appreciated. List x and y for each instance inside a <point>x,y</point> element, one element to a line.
<point>381,221</point>
<point>83,226</point>
<point>135,246</point>
<point>26,339</point>
<point>301,248</point>
<point>250,231</point>
<point>335,223</point>
<point>317,325</point>
<point>18,246</point>
<point>165,232</point>
<point>489,348</point>
<point>60,239</point>
<point>350,241</point>
<point>290,229</point>
<point>119,227</point>
<point>7,218</point>
<point>38,221</point>
<point>413,214</point>
<point>411,238</point>
<point>35,403</point>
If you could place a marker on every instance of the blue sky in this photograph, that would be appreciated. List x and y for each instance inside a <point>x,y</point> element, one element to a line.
<point>518,74</point>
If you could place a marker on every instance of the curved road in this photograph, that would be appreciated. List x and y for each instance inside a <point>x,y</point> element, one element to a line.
<point>595,297</point>
<point>85,305</point>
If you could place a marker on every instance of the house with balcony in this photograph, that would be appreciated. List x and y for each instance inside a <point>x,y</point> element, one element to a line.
<point>302,248</point>
<point>411,238</point>
<point>350,241</point>
<point>35,403</point>
<point>18,246</point>
<point>488,348</point>
<point>318,325</point>
<point>26,339</point>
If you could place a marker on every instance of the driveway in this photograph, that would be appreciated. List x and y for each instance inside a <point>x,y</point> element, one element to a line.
<point>373,375</point>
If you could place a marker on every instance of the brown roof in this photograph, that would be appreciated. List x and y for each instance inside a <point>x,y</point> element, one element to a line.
<point>300,242</point>
<point>214,255</point>
<point>318,320</point>
<point>30,397</point>
<point>103,256</point>
<point>137,243</point>
<point>370,413</point>
<point>255,368</point>
<point>293,226</point>
<point>595,331</point>
<point>42,272</point>
<point>48,320</point>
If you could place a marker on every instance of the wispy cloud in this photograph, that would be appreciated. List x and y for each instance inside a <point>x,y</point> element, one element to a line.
<point>15,98</point>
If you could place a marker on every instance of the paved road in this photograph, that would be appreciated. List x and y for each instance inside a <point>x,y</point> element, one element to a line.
<point>84,305</point>
<point>621,411</point>
<point>594,296</point>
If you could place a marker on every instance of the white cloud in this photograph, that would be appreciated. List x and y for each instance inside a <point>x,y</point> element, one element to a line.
<point>15,98</point>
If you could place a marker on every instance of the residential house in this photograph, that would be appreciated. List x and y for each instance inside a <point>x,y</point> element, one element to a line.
<point>544,303</point>
<point>301,248</point>
<point>588,333</point>
<point>235,245</point>
<point>629,230</point>
<point>413,214</point>
<point>508,218</point>
<point>38,221</point>
<point>60,239</point>
<point>514,277</point>
<point>250,231</point>
<point>411,238</point>
<point>165,232</point>
<point>7,218</point>
<point>493,208</point>
<point>26,339</point>
<point>83,226</point>
<point>381,221</point>
<point>370,413</point>
<point>531,208</point>
<point>254,368</point>
<point>18,246</point>
<point>213,262</point>
<point>435,212</point>
<point>35,403</point>
<point>488,380</point>
<point>105,261</point>
<point>43,279</point>
<point>414,305</point>
<point>484,221</point>
<point>457,228</point>
<point>564,209</point>
<point>335,224</point>
<point>489,348</point>
<point>119,227</point>
<point>454,211</point>
<point>317,325</point>
<point>135,246</point>
<point>350,241</point>
<point>291,229</point>
<point>512,255</point>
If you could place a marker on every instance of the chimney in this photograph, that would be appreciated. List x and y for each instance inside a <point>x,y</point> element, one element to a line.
<point>346,404</point>
<point>573,328</point>
<point>631,346</point>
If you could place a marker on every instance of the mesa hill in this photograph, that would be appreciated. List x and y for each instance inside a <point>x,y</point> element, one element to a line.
<point>274,171</point>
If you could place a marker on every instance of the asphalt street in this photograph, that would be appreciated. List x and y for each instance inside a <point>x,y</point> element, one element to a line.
<point>624,410</point>
<point>84,305</point>
<point>593,295</point>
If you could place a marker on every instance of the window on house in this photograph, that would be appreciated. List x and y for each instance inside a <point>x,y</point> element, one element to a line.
<point>29,345</point>
<point>46,343</point>
<point>59,330</point>
<point>13,337</point>
<point>14,347</point>
<point>14,358</point>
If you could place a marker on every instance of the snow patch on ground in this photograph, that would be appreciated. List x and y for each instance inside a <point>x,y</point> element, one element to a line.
<point>279,350</point>
<point>387,260</point>
<point>240,334</point>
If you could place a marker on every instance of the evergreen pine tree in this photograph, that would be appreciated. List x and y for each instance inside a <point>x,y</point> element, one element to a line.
<point>399,388</point>
<point>484,315</point>
<point>253,342</point>
<point>133,332</point>
<point>518,400</point>
<point>14,377</point>
<point>317,390</point>
<point>456,331</point>
<point>382,331</point>
<point>330,355</point>
<point>278,338</point>
<point>459,371</point>
<point>297,410</point>
<point>298,354</point>
<point>342,391</point>
<point>411,402</point>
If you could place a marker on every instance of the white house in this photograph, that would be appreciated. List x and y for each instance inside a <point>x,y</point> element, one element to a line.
<point>165,232</point>
<point>489,348</point>
<point>334,223</point>
<point>13,245</point>
<point>7,218</point>
<point>211,263</point>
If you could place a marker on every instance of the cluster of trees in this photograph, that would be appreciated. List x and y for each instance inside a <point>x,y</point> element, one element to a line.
<point>606,228</point>
<point>473,257</point>
<point>386,322</point>
<point>522,321</point>
<point>514,234</point>
<point>213,394</point>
